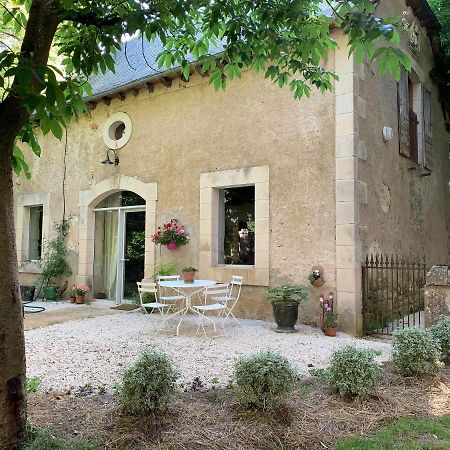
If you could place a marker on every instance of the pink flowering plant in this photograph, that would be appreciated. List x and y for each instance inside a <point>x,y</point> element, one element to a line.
<point>80,290</point>
<point>170,232</point>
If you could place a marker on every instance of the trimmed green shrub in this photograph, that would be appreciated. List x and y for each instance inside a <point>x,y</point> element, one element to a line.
<point>264,379</point>
<point>441,333</point>
<point>148,384</point>
<point>353,371</point>
<point>415,352</point>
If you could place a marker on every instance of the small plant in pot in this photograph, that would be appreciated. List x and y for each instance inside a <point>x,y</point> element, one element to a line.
<point>80,291</point>
<point>53,263</point>
<point>330,323</point>
<point>189,274</point>
<point>285,302</point>
<point>316,277</point>
<point>171,234</point>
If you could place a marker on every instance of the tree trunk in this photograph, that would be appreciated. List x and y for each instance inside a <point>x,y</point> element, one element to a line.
<point>12,346</point>
<point>40,30</point>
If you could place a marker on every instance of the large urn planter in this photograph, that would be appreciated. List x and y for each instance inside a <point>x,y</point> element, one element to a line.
<point>285,315</point>
<point>27,293</point>
<point>51,293</point>
<point>285,302</point>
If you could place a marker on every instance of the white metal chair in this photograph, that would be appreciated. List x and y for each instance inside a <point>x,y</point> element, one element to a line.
<point>146,287</point>
<point>211,291</point>
<point>163,297</point>
<point>230,299</point>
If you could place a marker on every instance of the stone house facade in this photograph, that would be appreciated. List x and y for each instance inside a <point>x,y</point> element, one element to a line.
<point>328,179</point>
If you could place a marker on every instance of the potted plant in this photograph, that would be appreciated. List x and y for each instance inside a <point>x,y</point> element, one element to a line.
<point>80,292</point>
<point>53,263</point>
<point>285,301</point>
<point>316,277</point>
<point>170,234</point>
<point>189,274</point>
<point>27,293</point>
<point>330,323</point>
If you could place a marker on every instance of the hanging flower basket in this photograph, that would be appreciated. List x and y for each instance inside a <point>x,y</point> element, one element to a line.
<point>170,234</point>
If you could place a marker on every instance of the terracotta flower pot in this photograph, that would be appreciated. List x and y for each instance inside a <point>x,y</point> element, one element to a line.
<point>79,299</point>
<point>330,332</point>
<point>72,299</point>
<point>319,282</point>
<point>172,246</point>
<point>188,277</point>
<point>285,315</point>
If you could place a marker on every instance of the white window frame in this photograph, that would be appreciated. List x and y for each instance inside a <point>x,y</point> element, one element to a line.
<point>210,185</point>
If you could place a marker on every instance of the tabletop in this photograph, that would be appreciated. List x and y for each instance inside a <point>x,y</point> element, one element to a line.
<point>182,284</point>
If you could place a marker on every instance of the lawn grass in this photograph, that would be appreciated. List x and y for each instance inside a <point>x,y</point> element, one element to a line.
<point>38,438</point>
<point>404,434</point>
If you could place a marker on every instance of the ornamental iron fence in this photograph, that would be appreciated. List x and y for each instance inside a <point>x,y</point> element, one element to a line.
<point>392,293</point>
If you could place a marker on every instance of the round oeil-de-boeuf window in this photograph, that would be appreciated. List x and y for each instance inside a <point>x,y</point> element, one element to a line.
<point>117,130</point>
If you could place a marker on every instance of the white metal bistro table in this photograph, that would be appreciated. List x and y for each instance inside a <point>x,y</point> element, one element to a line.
<point>187,290</point>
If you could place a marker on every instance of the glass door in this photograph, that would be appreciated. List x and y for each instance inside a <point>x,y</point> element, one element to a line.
<point>134,252</point>
<point>119,246</point>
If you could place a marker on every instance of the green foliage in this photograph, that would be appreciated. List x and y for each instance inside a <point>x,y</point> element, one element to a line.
<point>287,293</point>
<point>33,385</point>
<point>441,334</point>
<point>166,269</point>
<point>330,320</point>
<point>264,379</point>
<point>136,245</point>
<point>441,72</point>
<point>353,371</point>
<point>415,352</point>
<point>287,41</point>
<point>37,438</point>
<point>189,269</point>
<point>408,433</point>
<point>53,262</point>
<point>442,11</point>
<point>148,384</point>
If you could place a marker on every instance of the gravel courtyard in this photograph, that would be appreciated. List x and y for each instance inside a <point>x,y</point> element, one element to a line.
<point>97,350</point>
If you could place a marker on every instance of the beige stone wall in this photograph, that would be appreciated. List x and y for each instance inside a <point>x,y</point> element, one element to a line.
<point>406,213</point>
<point>437,294</point>
<point>188,129</point>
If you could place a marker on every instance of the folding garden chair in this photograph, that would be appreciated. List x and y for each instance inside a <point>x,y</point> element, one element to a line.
<point>150,289</point>
<point>211,291</point>
<point>163,297</point>
<point>230,299</point>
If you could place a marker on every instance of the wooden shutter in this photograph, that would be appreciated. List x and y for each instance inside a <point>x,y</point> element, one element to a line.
<point>403,114</point>
<point>427,129</point>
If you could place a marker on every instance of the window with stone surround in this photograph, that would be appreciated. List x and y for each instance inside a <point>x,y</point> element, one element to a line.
<point>414,102</point>
<point>237,225</point>
<point>35,232</point>
<point>234,225</point>
<point>32,227</point>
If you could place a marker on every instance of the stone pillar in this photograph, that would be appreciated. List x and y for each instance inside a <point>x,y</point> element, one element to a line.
<point>351,192</point>
<point>437,294</point>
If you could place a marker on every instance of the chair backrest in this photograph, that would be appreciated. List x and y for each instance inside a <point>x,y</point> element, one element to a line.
<point>236,286</point>
<point>146,287</point>
<point>217,289</point>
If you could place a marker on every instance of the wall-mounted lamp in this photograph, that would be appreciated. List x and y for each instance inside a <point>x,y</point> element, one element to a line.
<point>107,160</point>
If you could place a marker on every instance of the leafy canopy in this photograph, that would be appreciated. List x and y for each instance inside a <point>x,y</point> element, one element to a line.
<point>287,40</point>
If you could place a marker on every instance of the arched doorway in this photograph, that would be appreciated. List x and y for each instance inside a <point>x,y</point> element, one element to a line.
<point>92,199</point>
<point>119,246</point>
